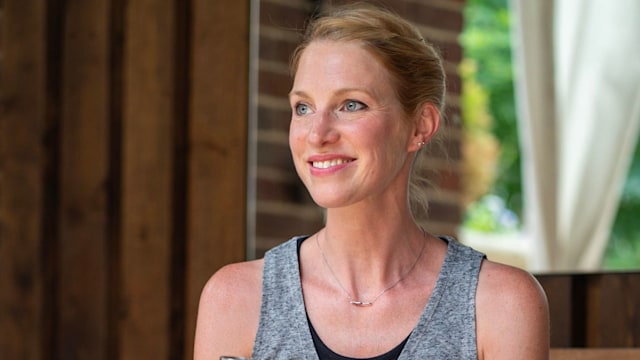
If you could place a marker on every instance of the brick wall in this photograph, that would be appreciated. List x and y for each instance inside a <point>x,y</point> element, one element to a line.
<point>283,207</point>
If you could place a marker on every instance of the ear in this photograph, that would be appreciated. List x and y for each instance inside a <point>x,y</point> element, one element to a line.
<point>427,122</point>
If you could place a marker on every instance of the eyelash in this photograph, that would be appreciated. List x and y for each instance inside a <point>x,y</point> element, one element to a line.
<point>297,107</point>
<point>360,106</point>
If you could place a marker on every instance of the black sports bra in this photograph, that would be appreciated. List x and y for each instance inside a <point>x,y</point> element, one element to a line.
<point>324,353</point>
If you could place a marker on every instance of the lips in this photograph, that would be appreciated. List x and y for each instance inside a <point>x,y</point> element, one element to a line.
<point>325,164</point>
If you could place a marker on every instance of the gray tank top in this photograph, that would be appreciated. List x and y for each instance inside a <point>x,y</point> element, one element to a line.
<point>446,329</point>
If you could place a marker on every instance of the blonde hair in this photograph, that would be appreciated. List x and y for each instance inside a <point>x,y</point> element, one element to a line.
<point>413,63</point>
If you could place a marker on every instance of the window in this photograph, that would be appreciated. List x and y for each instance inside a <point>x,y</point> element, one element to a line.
<point>493,186</point>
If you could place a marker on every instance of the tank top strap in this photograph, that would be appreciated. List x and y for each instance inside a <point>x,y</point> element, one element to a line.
<point>283,331</point>
<point>447,327</point>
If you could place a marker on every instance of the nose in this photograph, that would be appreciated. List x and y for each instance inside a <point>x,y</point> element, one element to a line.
<point>323,130</point>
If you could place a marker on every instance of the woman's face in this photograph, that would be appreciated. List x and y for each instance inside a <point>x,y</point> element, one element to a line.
<point>349,136</point>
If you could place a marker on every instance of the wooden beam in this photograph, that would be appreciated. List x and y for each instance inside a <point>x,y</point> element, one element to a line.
<point>84,164</point>
<point>614,310</point>
<point>218,145</point>
<point>147,165</point>
<point>595,354</point>
<point>558,289</point>
<point>23,325</point>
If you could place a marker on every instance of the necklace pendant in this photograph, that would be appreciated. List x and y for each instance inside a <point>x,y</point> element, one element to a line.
<point>360,303</point>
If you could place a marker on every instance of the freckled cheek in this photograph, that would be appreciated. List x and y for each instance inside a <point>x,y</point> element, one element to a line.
<point>296,142</point>
<point>298,131</point>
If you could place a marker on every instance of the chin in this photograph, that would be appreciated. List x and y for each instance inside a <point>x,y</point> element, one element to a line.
<point>328,201</point>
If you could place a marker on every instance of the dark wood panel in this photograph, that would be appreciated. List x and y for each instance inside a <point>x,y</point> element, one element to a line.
<point>558,290</point>
<point>595,354</point>
<point>615,311</point>
<point>147,165</point>
<point>217,143</point>
<point>22,158</point>
<point>593,310</point>
<point>84,222</point>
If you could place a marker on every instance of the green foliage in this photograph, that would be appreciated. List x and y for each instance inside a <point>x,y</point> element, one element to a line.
<point>489,114</point>
<point>476,116</point>
<point>487,44</point>
<point>490,215</point>
<point>480,147</point>
<point>486,39</point>
<point>623,250</point>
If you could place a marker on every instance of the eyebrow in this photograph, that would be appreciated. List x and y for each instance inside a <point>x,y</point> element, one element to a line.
<point>301,93</point>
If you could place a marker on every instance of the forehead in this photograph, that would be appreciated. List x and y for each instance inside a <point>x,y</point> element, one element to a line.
<point>336,63</point>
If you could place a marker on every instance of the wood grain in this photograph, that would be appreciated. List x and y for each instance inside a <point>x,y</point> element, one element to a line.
<point>218,145</point>
<point>147,165</point>
<point>84,159</point>
<point>22,158</point>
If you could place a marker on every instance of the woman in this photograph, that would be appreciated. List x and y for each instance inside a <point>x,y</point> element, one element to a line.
<point>368,93</point>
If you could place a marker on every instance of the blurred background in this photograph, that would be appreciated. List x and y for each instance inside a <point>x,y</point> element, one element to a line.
<point>551,106</point>
<point>143,145</point>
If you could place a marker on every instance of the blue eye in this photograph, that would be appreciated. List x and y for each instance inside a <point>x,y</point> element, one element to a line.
<point>301,109</point>
<point>353,105</point>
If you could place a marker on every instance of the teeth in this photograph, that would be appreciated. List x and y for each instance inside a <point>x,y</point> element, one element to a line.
<point>329,163</point>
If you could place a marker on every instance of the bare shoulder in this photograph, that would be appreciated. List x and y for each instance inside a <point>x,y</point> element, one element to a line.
<point>512,314</point>
<point>229,311</point>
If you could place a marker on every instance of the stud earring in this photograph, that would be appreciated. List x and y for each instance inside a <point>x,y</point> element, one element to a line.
<point>420,143</point>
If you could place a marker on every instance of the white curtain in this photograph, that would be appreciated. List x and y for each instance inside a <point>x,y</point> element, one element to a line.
<point>578,97</point>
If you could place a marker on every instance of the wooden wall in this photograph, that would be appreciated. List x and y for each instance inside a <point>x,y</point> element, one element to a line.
<point>122,171</point>
<point>594,310</point>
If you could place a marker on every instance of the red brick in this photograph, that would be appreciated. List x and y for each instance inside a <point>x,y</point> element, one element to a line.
<point>274,84</point>
<point>282,16</point>
<point>444,19</point>
<point>275,155</point>
<point>450,180</point>
<point>273,190</point>
<point>273,119</point>
<point>282,226</point>
<point>278,50</point>
<point>444,212</point>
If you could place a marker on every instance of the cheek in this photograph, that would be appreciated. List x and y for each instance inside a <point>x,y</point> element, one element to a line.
<point>388,136</point>
<point>294,137</point>
<point>297,141</point>
<point>393,145</point>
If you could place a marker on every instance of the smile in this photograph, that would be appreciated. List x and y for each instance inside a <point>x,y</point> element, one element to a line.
<point>329,163</point>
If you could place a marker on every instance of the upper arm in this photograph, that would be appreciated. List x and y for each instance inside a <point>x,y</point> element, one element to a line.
<point>228,312</point>
<point>512,314</point>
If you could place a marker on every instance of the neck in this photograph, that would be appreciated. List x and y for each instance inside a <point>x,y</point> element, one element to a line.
<point>365,255</point>
<point>362,231</point>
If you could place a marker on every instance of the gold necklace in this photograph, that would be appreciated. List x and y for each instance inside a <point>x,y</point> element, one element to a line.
<point>363,303</point>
